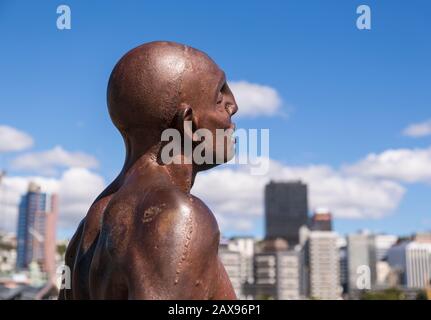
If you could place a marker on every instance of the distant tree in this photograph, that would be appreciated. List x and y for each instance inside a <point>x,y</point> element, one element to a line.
<point>6,246</point>
<point>422,295</point>
<point>264,297</point>
<point>387,294</point>
<point>61,249</point>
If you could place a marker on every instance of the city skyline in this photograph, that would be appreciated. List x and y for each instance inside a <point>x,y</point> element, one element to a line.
<point>303,260</point>
<point>348,110</point>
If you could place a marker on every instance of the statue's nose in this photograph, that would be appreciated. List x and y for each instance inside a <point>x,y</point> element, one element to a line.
<point>232,106</point>
<point>235,108</point>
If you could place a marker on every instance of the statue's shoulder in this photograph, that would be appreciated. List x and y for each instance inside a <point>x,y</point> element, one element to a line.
<point>172,248</point>
<point>168,214</point>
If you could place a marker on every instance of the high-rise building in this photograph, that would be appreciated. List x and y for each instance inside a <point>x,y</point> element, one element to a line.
<point>321,220</point>
<point>36,230</point>
<point>245,247</point>
<point>236,255</point>
<point>286,209</point>
<point>278,273</point>
<point>413,261</point>
<point>322,254</point>
<point>383,243</point>
<point>232,264</point>
<point>361,262</point>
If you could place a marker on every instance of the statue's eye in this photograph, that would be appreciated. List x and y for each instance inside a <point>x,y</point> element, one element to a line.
<point>219,97</point>
<point>220,94</point>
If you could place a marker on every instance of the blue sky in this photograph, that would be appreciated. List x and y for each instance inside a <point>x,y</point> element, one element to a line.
<point>345,93</point>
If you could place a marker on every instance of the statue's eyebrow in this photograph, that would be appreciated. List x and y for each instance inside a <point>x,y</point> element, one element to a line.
<point>221,82</point>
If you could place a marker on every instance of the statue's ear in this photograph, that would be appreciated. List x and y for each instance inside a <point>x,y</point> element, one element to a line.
<point>187,113</point>
<point>186,122</point>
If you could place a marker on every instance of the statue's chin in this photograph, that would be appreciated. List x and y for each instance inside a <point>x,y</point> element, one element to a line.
<point>221,158</point>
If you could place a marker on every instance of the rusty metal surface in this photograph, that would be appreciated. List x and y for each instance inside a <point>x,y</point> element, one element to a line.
<point>146,236</point>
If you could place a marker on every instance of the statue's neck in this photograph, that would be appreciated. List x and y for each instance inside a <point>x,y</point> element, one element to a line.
<point>145,161</point>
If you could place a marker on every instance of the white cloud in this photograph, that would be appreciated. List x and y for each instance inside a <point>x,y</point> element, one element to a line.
<point>255,99</point>
<point>368,189</point>
<point>348,196</point>
<point>233,223</point>
<point>236,197</point>
<point>231,192</point>
<point>12,139</point>
<point>48,162</point>
<point>417,130</point>
<point>406,165</point>
<point>77,188</point>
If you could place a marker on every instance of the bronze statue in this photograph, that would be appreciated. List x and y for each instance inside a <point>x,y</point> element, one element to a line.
<point>146,236</point>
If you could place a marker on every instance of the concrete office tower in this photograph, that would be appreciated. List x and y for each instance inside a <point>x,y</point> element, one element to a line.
<point>383,243</point>
<point>286,210</point>
<point>278,274</point>
<point>361,262</point>
<point>245,247</point>
<point>321,220</point>
<point>324,264</point>
<point>232,263</point>
<point>413,261</point>
<point>36,230</point>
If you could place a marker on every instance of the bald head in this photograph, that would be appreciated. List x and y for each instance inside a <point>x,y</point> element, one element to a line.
<point>150,82</point>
